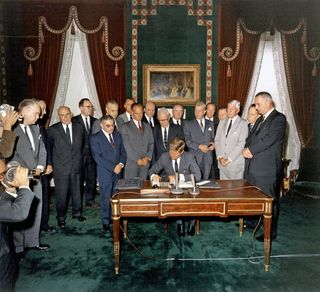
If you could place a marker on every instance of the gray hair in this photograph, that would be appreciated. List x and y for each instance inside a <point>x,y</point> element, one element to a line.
<point>235,103</point>
<point>163,110</point>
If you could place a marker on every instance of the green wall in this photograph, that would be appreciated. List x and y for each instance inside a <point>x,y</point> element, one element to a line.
<point>172,37</point>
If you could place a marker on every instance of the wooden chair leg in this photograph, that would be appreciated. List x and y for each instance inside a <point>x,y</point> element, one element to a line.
<point>241,226</point>
<point>125,228</point>
<point>165,226</point>
<point>197,226</point>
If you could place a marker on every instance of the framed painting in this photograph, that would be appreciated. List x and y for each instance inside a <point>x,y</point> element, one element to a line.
<point>168,85</point>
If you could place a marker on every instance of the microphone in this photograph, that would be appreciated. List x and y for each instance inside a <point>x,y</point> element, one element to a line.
<point>194,191</point>
<point>176,190</point>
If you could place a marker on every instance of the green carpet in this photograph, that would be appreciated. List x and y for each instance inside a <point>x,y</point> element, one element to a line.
<point>81,256</point>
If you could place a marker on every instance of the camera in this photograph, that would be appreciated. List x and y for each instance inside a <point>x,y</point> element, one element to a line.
<point>12,169</point>
<point>5,108</point>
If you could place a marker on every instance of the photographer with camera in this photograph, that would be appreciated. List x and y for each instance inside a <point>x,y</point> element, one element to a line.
<point>14,207</point>
<point>30,153</point>
<point>8,117</point>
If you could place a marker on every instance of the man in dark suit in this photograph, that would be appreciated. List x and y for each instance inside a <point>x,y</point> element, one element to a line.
<point>263,152</point>
<point>46,176</point>
<point>210,111</point>
<point>127,115</point>
<point>252,116</point>
<point>149,114</point>
<point>199,135</point>
<point>112,109</point>
<point>89,176</point>
<point>164,133</point>
<point>177,160</point>
<point>13,208</point>
<point>139,143</point>
<point>109,153</point>
<point>66,141</point>
<point>177,115</point>
<point>30,152</point>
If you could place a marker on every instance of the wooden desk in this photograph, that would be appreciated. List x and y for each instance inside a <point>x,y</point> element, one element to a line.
<point>235,198</point>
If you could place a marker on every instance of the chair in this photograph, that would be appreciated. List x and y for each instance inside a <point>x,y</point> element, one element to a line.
<point>306,180</point>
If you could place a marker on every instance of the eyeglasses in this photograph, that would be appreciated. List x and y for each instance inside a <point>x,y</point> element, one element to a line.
<point>89,106</point>
<point>109,126</point>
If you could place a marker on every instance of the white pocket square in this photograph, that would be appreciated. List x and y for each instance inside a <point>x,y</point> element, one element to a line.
<point>210,129</point>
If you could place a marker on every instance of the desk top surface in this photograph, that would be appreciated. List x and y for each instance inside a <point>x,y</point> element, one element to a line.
<point>230,190</point>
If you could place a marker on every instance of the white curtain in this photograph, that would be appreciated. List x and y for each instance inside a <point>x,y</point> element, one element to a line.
<point>76,77</point>
<point>269,75</point>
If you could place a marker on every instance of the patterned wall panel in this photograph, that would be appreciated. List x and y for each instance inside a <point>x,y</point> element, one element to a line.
<point>202,10</point>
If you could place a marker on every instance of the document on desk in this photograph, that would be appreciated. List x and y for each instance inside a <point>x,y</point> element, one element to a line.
<point>208,184</point>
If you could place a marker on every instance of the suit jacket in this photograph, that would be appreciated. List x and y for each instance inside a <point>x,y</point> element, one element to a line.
<point>7,142</point>
<point>174,131</point>
<point>78,119</point>
<point>183,122</point>
<point>105,155</point>
<point>137,144</point>
<point>232,145</point>
<point>65,158</point>
<point>122,119</point>
<point>155,120</point>
<point>11,211</point>
<point>23,152</point>
<point>187,166</point>
<point>194,137</point>
<point>265,142</point>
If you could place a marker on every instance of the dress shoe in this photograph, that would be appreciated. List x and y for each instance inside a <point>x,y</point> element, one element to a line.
<point>49,230</point>
<point>191,229</point>
<point>20,256</point>
<point>106,227</point>
<point>62,224</point>
<point>180,230</point>
<point>261,237</point>
<point>41,247</point>
<point>79,218</point>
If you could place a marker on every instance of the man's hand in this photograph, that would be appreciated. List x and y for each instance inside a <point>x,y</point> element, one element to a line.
<point>146,160</point>
<point>224,161</point>
<point>38,171</point>
<point>172,179</point>
<point>246,153</point>
<point>211,146</point>
<point>9,120</point>
<point>117,168</point>
<point>155,179</point>
<point>21,178</point>
<point>204,148</point>
<point>48,170</point>
<point>140,162</point>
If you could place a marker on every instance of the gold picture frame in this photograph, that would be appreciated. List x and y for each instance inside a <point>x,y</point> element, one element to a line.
<point>171,84</point>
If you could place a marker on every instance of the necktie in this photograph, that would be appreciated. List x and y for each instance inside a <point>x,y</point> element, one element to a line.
<point>68,134</point>
<point>178,123</point>
<point>201,125</point>
<point>165,138</point>
<point>176,167</point>
<point>111,141</point>
<point>229,127</point>
<point>26,132</point>
<point>139,126</point>
<point>87,125</point>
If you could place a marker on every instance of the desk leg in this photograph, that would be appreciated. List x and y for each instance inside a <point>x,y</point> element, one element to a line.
<point>241,226</point>
<point>125,228</point>
<point>116,242</point>
<point>267,219</point>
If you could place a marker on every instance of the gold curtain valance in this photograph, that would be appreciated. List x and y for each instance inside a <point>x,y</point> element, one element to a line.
<point>116,54</point>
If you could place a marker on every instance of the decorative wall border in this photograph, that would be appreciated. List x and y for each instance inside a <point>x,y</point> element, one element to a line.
<point>3,73</point>
<point>196,8</point>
